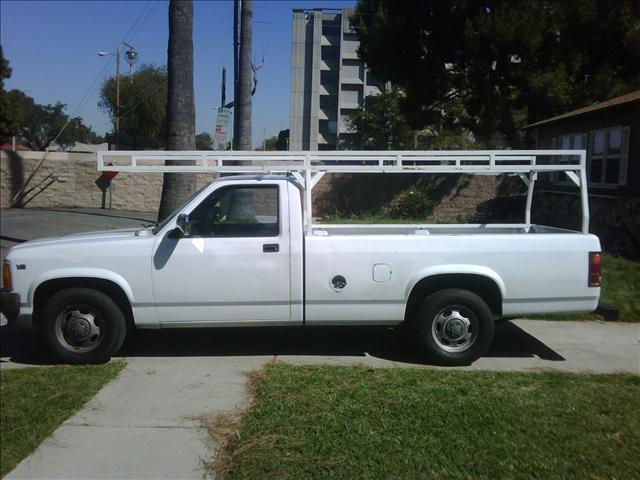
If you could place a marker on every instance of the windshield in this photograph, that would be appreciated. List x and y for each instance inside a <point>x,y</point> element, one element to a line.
<point>162,224</point>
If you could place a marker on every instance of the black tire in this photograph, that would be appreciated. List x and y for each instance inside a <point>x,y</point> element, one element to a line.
<point>448,314</point>
<point>83,308</point>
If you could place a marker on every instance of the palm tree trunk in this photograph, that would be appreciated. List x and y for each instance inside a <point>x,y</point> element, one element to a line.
<point>180,133</point>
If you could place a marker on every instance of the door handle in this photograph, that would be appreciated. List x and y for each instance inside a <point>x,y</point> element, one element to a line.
<point>270,247</point>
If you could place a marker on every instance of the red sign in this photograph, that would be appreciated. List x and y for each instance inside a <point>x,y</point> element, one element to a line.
<point>109,175</point>
<point>104,181</point>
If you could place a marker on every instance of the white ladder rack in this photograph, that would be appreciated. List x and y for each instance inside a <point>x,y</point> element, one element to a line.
<point>309,167</point>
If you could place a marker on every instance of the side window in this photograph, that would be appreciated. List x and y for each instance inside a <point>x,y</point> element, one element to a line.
<point>243,211</point>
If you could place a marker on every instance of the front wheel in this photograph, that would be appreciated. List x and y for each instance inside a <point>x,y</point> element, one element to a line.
<point>81,325</point>
<point>454,327</point>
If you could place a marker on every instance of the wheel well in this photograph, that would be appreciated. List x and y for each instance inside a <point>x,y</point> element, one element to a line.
<point>482,286</point>
<point>49,288</point>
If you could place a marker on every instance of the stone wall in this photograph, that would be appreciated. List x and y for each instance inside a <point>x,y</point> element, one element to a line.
<point>452,195</point>
<point>66,180</point>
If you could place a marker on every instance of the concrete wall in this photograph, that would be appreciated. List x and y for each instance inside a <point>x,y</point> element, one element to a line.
<point>70,182</point>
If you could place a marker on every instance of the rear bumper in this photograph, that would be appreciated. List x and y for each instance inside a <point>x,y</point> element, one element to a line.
<point>10,307</point>
<point>609,312</point>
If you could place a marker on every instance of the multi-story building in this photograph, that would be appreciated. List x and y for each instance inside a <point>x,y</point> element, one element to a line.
<point>328,80</point>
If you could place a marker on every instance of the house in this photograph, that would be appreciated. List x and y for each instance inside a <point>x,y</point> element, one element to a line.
<point>610,133</point>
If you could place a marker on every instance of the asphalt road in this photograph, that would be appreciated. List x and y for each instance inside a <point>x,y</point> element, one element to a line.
<point>18,225</point>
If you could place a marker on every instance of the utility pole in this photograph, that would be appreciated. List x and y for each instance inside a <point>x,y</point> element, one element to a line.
<point>132,58</point>
<point>236,70</point>
<point>242,103</point>
<point>223,92</point>
<point>118,98</point>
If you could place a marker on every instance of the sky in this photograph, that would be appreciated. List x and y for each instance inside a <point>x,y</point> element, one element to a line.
<point>52,50</point>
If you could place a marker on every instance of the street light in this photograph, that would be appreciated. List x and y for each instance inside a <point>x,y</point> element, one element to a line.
<point>131,58</point>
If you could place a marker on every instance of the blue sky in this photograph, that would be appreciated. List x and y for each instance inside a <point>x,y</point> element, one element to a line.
<point>52,45</point>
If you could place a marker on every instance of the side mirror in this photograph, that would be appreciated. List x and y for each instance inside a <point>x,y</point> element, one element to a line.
<point>183,225</point>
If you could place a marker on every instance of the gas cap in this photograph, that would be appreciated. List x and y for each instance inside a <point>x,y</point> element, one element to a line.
<point>338,283</point>
<point>381,272</point>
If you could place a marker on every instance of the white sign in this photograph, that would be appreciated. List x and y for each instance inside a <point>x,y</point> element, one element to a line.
<point>221,132</point>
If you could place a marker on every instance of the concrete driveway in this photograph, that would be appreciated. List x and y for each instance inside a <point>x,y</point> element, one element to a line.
<point>144,423</point>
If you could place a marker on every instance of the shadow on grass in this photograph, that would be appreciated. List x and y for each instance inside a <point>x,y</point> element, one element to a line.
<point>510,342</point>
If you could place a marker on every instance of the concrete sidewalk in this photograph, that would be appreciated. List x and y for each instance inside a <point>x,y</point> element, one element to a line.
<point>142,424</point>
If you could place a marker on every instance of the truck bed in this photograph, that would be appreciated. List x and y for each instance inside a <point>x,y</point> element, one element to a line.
<point>434,229</point>
<point>542,273</point>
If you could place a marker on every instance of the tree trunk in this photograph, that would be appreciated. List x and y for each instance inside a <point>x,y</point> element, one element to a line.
<point>180,133</point>
<point>243,103</point>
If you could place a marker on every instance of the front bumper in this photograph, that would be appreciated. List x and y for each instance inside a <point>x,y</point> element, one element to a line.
<point>10,307</point>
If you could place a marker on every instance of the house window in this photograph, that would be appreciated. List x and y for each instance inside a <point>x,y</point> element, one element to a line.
<point>608,153</point>
<point>573,141</point>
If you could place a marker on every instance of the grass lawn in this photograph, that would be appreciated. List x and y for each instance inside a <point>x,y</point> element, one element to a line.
<point>35,401</point>
<point>353,422</point>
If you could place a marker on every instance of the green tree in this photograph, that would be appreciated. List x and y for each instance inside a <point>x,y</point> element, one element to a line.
<point>204,141</point>
<point>283,140</point>
<point>5,70</point>
<point>505,63</point>
<point>37,126</point>
<point>143,104</point>
<point>8,124</point>
<point>277,142</point>
<point>380,125</point>
<point>34,125</point>
<point>269,143</point>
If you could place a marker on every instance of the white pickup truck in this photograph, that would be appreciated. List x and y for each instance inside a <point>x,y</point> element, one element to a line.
<point>245,251</point>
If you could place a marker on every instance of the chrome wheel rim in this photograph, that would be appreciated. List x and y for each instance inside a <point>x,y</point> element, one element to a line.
<point>454,329</point>
<point>79,328</point>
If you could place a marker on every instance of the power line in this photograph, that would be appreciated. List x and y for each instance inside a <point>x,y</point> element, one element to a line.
<point>133,25</point>
<point>214,42</point>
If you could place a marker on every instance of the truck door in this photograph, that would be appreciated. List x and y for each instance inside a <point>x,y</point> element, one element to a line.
<point>233,266</point>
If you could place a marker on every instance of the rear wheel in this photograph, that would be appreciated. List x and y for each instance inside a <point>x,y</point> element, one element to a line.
<point>82,325</point>
<point>454,327</point>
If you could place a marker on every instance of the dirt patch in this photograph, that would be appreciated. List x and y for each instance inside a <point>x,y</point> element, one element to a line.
<point>223,430</point>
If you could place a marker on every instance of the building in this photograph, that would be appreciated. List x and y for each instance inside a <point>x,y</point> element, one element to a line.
<point>328,80</point>
<point>610,133</point>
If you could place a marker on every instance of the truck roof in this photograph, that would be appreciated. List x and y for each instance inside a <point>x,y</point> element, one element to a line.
<point>235,178</point>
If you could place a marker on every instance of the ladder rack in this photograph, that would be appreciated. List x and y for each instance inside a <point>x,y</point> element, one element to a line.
<point>309,167</point>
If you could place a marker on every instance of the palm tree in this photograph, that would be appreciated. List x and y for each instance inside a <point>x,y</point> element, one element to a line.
<point>180,133</point>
